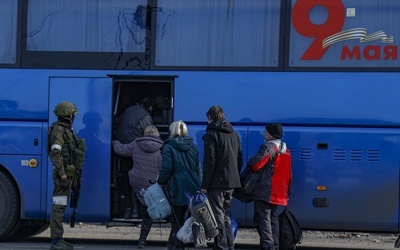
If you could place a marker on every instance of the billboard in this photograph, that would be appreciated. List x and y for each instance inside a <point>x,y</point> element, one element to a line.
<point>344,33</point>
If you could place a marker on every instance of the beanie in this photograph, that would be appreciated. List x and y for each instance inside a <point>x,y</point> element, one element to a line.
<point>275,129</point>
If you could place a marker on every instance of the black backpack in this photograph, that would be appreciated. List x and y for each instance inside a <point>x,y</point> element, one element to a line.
<point>290,233</point>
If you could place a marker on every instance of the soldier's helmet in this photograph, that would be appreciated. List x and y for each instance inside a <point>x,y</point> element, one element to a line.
<point>65,109</point>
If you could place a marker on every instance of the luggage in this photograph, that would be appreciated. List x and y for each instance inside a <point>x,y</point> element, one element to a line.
<point>249,179</point>
<point>202,212</point>
<point>199,236</point>
<point>157,203</point>
<point>290,233</point>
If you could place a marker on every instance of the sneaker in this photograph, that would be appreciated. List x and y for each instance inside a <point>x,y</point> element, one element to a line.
<point>67,243</point>
<point>62,245</point>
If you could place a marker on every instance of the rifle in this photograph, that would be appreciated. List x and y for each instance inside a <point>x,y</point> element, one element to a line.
<point>76,189</point>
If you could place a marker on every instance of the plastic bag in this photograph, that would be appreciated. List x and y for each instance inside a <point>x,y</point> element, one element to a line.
<point>185,233</point>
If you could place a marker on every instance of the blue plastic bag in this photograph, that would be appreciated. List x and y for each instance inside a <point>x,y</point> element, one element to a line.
<point>234,225</point>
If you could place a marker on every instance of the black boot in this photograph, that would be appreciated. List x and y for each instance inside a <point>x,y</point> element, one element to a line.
<point>135,201</point>
<point>170,243</point>
<point>127,214</point>
<point>144,231</point>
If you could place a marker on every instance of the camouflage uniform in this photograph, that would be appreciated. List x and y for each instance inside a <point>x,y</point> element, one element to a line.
<point>66,152</point>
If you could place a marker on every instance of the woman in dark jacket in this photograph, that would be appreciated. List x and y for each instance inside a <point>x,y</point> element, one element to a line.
<point>180,173</point>
<point>146,154</point>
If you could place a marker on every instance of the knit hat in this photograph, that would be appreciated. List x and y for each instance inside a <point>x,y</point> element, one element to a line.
<point>275,129</point>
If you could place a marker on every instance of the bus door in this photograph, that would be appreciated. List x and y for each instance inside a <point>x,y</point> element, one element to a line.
<point>93,98</point>
<point>129,91</point>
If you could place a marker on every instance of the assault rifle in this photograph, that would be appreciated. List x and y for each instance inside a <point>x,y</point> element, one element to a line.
<point>76,189</point>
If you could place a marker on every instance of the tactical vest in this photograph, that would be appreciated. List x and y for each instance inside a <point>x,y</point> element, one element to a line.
<point>74,148</point>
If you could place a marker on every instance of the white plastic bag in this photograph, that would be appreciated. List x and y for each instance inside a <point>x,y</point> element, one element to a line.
<point>185,233</point>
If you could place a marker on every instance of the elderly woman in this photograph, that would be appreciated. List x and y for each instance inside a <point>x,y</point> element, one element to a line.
<point>180,173</point>
<point>146,154</point>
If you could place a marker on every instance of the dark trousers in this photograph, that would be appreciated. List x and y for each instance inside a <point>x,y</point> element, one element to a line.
<point>60,198</point>
<point>221,202</point>
<point>267,224</point>
<point>177,220</point>
<point>142,210</point>
<point>126,165</point>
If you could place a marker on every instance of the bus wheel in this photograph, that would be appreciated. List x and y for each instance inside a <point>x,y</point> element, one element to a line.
<point>28,228</point>
<point>9,205</point>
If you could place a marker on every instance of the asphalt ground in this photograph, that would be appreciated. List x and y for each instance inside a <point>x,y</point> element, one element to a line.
<point>124,236</point>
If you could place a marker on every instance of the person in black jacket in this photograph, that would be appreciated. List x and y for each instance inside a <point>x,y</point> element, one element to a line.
<point>222,163</point>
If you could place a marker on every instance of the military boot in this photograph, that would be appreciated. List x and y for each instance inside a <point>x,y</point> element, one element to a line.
<point>144,232</point>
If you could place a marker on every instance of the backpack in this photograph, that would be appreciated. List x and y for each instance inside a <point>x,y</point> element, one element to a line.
<point>202,212</point>
<point>290,233</point>
<point>199,235</point>
<point>157,203</point>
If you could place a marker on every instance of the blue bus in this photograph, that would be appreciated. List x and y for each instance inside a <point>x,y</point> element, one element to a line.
<point>328,71</point>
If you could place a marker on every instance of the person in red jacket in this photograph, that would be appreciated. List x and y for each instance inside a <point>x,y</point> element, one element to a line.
<point>274,187</point>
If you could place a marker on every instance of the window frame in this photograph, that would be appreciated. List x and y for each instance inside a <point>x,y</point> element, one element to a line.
<point>80,60</point>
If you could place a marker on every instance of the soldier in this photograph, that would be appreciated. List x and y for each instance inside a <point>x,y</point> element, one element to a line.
<point>66,152</point>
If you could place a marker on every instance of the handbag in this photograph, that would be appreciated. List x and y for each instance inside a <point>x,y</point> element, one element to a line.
<point>249,179</point>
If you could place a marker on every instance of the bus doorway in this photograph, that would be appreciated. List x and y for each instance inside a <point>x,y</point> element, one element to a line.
<point>130,91</point>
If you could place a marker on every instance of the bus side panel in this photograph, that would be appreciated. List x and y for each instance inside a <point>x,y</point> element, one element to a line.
<point>20,154</point>
<point>239,209</point>
<point>359,167</point>
<point>93,97</point>
<point>23,94</point>
<point>323,98</point>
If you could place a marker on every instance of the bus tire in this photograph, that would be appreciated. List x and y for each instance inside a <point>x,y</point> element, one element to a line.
<point>28,228</point>
<point>9,205</point>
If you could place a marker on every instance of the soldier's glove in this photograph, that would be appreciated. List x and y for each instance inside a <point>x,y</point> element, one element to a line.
<point>64,183</point>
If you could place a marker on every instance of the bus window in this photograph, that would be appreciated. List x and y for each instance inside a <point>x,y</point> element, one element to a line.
<point>220,33</point>
<point>93,26</point>
<point>8,31</point>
